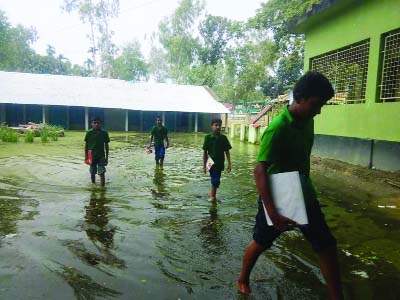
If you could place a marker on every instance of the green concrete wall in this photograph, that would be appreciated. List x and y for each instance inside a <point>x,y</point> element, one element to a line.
<point>362,20</point>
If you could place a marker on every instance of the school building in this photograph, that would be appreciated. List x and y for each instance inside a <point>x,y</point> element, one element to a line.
<point>71,101</point>
<point>356,44</point>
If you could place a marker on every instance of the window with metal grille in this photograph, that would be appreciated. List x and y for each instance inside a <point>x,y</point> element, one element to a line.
<point>346,69</point>
<point>390,83</point>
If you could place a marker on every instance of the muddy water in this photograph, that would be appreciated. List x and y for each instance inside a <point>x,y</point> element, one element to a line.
<point>152,234</point>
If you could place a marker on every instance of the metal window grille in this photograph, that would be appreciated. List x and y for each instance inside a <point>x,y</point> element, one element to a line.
<point>346,69</point>
<point>390,84</point>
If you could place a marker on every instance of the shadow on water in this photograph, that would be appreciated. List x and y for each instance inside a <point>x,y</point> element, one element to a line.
<point>153,234</point>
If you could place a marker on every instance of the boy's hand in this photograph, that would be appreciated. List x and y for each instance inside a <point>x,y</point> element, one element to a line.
<point>229,168</point>
<point>282,223</point>
<point>204,170</point>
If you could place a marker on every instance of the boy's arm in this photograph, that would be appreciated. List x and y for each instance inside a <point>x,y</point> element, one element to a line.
<point>151,140</point>
<point>107,151</point>
<point>166,138</point>
<point>280,222</point>
<point>205,157</point>
<point>228,158</point>
<point>86,151</point>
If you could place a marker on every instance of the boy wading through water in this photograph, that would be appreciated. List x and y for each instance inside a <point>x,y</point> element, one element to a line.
<point>286,146</point>
<point>159,133</point>
<point>96,140</point>
<point>216,146</point>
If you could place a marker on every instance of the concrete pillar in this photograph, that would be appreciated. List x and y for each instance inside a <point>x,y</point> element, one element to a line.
<point>242,132</point>
<point>232,133</point>
<point>126,120</point>
<point>44,109</point>
<point>86,118</point>
<point>3,116</point>
<point>196,122</point>
<point>163,118</point>
<point>253,134</point>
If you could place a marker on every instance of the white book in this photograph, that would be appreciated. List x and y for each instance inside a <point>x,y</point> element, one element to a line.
<point>209,163</point>
<point>288,198</point>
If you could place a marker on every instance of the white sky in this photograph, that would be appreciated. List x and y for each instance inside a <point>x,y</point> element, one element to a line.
<point>138,19</point>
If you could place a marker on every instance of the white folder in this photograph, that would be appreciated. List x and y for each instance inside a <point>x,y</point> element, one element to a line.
<point>288,198</point>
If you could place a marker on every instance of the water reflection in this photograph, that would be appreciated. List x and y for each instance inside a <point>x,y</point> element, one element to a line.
<point>211,232</point>
<point>98,228</point>
<point>100,232</point>
<point>159,190</point>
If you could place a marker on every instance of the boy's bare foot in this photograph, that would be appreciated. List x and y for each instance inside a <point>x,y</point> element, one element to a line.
<point>243,287</point>
<point>212,199</point>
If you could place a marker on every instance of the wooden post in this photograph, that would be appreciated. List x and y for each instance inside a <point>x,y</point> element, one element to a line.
<point>163,118</point>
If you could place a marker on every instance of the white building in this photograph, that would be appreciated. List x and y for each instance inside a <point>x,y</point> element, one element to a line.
<point>71,101</point>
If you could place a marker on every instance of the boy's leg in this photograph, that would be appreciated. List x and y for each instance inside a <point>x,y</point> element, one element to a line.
<point>162,155</point>
<point>157,154</point>
<point>215,182</point>
<point>323,242</point>
<point>93,171</point>
<point>251,254</point>
<point>330,270</point>
<point>102,171</point>
<point>263,237</point>
<point>102,180</point>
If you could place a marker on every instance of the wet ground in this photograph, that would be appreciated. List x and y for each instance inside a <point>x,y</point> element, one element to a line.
<point>153,234</point>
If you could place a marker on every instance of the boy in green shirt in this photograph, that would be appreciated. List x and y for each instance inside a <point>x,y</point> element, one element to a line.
<point>159,133</point>
<point>97,141</point>
<point>216,146</point>
<point>286,146</point>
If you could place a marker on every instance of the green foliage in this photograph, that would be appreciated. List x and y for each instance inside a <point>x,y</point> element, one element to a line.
<point>130,65</point>
<point>8,135</point>
<point>29,136</point>
<point>44,135</point>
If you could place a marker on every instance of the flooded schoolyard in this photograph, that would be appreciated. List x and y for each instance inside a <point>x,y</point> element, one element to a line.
<point>153,234</point>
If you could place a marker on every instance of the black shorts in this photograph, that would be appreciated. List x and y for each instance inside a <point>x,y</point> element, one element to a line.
<point>316,231</point>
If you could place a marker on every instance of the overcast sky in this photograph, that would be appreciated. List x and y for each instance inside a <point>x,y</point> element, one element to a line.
<point>137,20</point>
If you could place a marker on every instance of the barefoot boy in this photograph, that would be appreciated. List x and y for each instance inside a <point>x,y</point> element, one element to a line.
<point>286,146</point>
<point>159,133</point>
<point>216,146</point>
<point>97,141</point>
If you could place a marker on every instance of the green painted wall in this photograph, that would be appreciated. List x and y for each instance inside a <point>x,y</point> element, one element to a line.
<point>356,22</point>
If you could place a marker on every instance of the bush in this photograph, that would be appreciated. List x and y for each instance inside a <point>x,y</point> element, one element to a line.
<point>53,135</point>
<point>29,136</point>
<point>8,135</point>
<point>44,135</point>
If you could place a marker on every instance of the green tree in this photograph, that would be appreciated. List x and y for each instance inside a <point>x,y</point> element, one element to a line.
<point>277,17</point>
<point>98,14</point>
<point>130,65</point>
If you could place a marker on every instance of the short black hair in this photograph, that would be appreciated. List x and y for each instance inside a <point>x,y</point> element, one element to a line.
<point>216,121</point>
<point>313,84</point>
<point>96,119</point>
<point>159,117</point>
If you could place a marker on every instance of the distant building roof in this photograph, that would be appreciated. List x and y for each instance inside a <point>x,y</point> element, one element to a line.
<point>43,89</point>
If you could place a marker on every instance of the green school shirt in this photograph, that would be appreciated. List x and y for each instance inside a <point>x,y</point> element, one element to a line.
<point>159,134</point>
<point>216,145</point>
<point>286,146</point>
<point>95,140</point>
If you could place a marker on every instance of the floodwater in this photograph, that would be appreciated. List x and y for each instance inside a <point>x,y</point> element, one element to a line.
<point>153,234</point>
